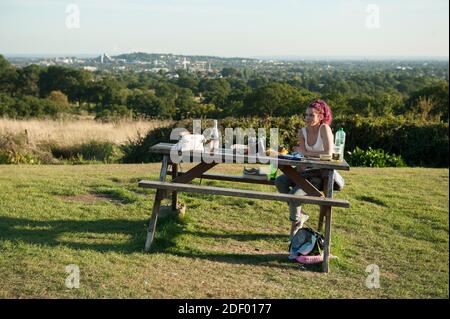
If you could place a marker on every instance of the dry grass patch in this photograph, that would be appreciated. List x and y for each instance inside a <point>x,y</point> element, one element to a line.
<point>69,132</point>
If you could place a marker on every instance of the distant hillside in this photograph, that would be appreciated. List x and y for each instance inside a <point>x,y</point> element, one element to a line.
<point>149,57</point>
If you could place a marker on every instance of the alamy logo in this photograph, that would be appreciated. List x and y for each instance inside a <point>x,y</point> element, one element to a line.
<point>73,279</point>
<point>191,148</point>
<point>373,279</point>
<point>373,19</point>
<point>73,16</point>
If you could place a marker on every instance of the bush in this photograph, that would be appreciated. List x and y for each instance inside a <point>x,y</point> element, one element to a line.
<point>373,158</point>
<point>18,158</point>
<point>114,114</point>
<point>59,98</point>
<point>29,106</point>
<point>93,150</point>
<point>418,143</point>
<point>6,104</point>
<point>137,151</point>
<point>16,149</point>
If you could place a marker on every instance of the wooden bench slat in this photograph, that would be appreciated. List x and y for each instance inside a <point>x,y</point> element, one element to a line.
<point>231,178</point>
<point>243,193</point>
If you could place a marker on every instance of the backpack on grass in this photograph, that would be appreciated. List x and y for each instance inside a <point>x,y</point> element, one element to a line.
<point>306,242</point>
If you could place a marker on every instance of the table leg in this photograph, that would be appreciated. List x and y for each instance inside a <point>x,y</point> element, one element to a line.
<point>323,208</point>
<point>156,205</point>
<point>321,218</point>
<point>174,194</point>
<point>163,172</point>
<point>154,219</point>
<point>327,243</point>
<point>327,210</point>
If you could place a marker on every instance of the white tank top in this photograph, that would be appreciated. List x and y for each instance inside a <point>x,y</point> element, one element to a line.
<point>318,147</point>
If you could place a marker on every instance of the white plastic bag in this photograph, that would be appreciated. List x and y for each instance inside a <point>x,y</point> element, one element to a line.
<point>191,142</point>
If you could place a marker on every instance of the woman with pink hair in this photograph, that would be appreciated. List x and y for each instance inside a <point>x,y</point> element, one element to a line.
<point>318,118</point>
<point>313,140</point>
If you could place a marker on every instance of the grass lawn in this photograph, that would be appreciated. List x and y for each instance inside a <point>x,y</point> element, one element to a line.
<point>95,216</point>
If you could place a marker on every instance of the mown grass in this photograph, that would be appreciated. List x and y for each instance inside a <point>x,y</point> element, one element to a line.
<point>95,216</point>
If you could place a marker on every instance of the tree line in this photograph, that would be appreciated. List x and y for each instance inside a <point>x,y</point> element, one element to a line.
<point>35,91</point>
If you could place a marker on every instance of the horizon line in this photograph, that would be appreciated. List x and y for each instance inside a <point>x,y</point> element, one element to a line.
<point>255,57</point>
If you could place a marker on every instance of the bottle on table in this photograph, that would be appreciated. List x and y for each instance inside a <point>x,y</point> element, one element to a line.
<point>262,146</point>
<point>339,145</point>
<point>252,144</point>
<point>272,175</point>
<point>214,143</point>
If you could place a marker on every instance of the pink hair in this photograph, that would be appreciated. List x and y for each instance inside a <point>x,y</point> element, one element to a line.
<point>324,109</point>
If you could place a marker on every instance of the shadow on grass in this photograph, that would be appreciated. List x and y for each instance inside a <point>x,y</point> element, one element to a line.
<point>117,195</point>
<point>265,260</point>
<point>237,236</point>
<point>371,200</point>
<point>82,234</point>
<point>128,236</point>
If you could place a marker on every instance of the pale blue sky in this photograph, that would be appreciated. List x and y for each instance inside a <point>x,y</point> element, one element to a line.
<point>227,27</point>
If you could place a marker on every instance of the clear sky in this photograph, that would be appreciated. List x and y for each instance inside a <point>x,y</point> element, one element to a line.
<point>228,27</point>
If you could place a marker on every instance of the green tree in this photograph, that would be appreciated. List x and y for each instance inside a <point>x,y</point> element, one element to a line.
<point>28,80</point>
<point>338,103</point>
<point>362,104</point>
<point>277,99</point>
<point>437,95</point>
<point>69,81</point>
<point>6,104</point>
<point>188,81</point>
<point>147,103</point>
<point>216,91</point>
<point>113,92</point>
<point>206,110</point>
<point>30,106</point>
<point>230,72</point>
<point>8,76</point>
<point>185,105</point>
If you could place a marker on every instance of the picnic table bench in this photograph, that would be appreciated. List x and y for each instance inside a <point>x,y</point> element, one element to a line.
<point>180,183</point>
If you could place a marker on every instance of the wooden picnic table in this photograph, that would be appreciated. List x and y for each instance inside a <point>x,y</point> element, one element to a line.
<point>288,167</point>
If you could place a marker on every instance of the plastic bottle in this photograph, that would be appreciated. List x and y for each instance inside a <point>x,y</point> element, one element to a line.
<point>252,142</point>
<point>272,172</point>
<point>262,146</point>
<point>339,141</point>
<point>214,144</point>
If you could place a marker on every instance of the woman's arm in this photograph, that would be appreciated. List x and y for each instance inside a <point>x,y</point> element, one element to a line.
<point>300,147</point>
<point>327,138</point>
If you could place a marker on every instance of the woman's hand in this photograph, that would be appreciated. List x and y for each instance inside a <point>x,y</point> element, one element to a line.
<point>311,154</point>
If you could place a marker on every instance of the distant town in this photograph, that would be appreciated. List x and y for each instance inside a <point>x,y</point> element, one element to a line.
<point>209,66</point>
<point>167,64</point>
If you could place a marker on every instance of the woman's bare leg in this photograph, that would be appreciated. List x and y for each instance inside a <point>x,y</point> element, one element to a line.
<point>296,225</point>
